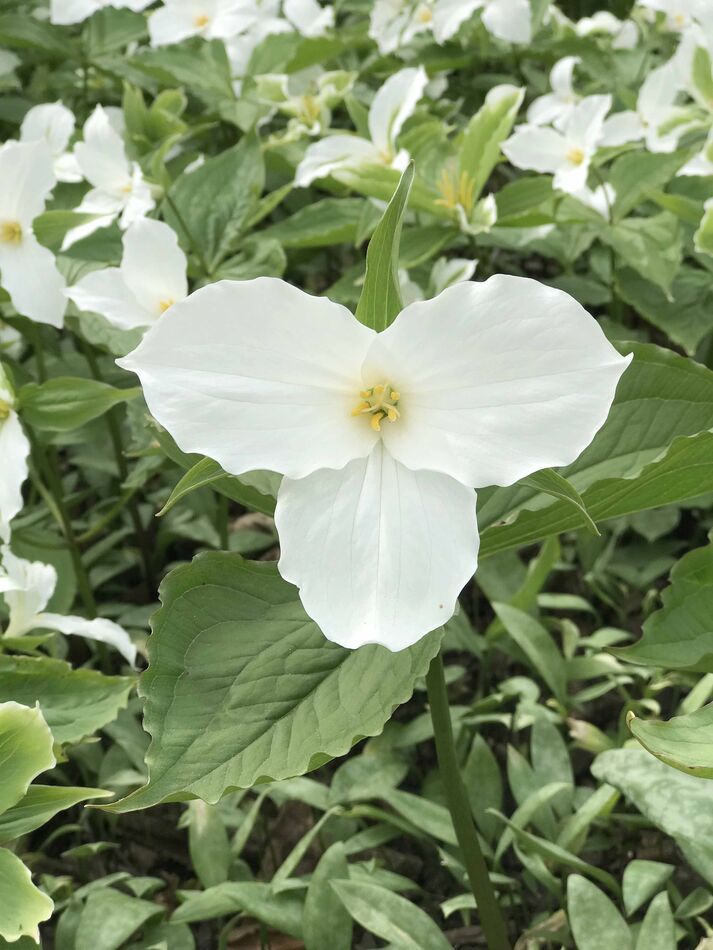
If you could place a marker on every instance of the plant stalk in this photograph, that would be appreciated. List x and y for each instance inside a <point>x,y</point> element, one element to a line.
<point>489,912</point>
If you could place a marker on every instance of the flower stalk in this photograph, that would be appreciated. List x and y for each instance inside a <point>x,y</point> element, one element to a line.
<point>490,914</point>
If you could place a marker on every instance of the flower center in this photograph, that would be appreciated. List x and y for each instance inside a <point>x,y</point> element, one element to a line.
<point>679,19</point>
<point>201,20</point>
<point>379,403</point>
<point>424,15</point>
<point>10,232</point>
<point>165,304</point>
<point>576,156</point>
<point>310,109</point>
<point>5,408</point>
<point>455,190</point>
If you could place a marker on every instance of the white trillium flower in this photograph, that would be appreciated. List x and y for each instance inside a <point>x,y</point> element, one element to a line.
<point>624,33</point>
<point>65,12</point>
<point>53,123</point>
<point>27,587</point>
<point>176,20</point>
<point>27,269</point>
<point>392,105</point>
<point>151,278</point>
<point>678,14</point>
<point>556,105</point>
<point>308,17</point>
<point>307,97</point>
<point>14,451</point>
<point>701,164</point>
<point>120,191</point>
<point>566,151</point>
<point>381,437</point>
<point>240,48</point>
<point>600,199</point>
<point>444,273</point>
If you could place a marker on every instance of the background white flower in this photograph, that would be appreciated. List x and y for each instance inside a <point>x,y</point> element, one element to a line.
<point>308,17</point>
<point>27,586</point>
<point>556,105</point>
<point>176,20</point>
<point>392,105</point>
<point>65,12</point>
<point>381,437</point>
<point>27,269</point>
<point>14,451</point>
<point>151,278</point>
<point>53,123</point>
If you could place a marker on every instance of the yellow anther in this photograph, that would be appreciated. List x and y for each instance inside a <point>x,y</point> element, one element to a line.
<point>679,19</point>
<point>376,421</point>
<point>395,396</point>
<point>379,389</point>
<point>576,156</point>
<point>392,414</point>
<point>201,20</point>
<point>165,304</point>
<point>365,393</point>
<point>5,409</point>
<point>362,407</point>
<point>425,15</point>
<point>379,403</point>
<point>128,187</point>
<point>11,232</point>
<point>455,189</point>
<point>310,108</point>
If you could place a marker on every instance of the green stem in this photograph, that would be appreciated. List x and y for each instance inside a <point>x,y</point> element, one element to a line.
<point>491,918</point>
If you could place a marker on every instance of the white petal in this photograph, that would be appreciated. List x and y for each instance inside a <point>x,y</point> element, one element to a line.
<point>509,20</point>
<point>105,631</point>
<point>154,266</point>
<point>26,179</point>
<point>139,200</point>
<point>33,585</point>
<point>172,23</point>
<point>548,108</point>
<point>658,91</point>
<point>584,124</point>
<point>379,552</point>
<point>66,167</point>
<point>448,15</point>
<point>393,25</point>
<point>561,76</point>
<point>308,17</point>
<point>497,380</point>
<point>258,374</point>
<point>101,156</point>
<point>571,176</point>
<point>14,452</point>
<point>542,150</point>
<point>50,122</point>
<point>393,104</point>
<point>29,274</point>
<point>622,127</point>
<point>84,230</point>
<point>105,292</point>
<point>333,153</point>
<point>64,12</point>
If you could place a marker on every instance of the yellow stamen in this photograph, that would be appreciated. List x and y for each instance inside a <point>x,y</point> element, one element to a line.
<point>362,407</point>
<point>379,403</point>
<point>376,421</point>
<point>576,156</point>
<point>5,409</point>
<point>455,189</point>
<point>128,187</point>
<point>201,20</point>
<point>10,232</point>
<point>310,109</point>
<point>425,15</point>
<point>165,304</point>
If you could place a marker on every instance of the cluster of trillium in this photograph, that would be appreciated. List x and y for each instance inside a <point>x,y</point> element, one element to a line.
<point>381,439</point>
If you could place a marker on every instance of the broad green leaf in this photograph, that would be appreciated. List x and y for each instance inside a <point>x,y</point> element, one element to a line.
<point>484,785</point>
<point>551,761</point>
<point>325,922</point>
<point>552,483</point>
<point>20,31</point>
<point>680,634</point>
<point>22,905</point>
<point>39,805</point>
<point>281,910</point>
<point>521,196</point>
<point>380,300</point>
<point>651,246</point>
<point>702,78</point>
<point>658,792</point>
<point>595,922</point>
<point>67,402</point>
<point>643,456</point>
<point>25,750</point>
<point>109,918</point>
<point>243,688</point>
<point>658,931</point>
<point>51,226</point>
<point>209,206</point>
<point>380,182</point>
<point>111,30</point>
<point>491,125</point>
<point>642,879</point>
<point>208,843</point>
<point>685,318</point>
<point>703,238</point>
<point>634,174</point>
<point>204,69</point>
<point>75,703</point>
<point>537,645</point>
<point>390,916</point>
<point>684,742</point>
<point>322,224</point>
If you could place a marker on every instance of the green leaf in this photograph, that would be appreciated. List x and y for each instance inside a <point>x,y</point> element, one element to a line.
<point>703,238</point>
<point>390,916</point>
<point>243,688</point>
<point>322,224</point>
<point>208,843</point>
<point>651,246</point>
<point>643,457</point>
<point>111,30</point>
<point>636,173</point>
<point>22,906</point>
<point>702,78</point>
<point>50,227</point>
<point>658,931</point>
<point>109,918</point>
<point>40,804</point>
<point>685,318</point>
<point>25,750</point>
<point>281,910</point>
<point>21,31</point>
<point>75,703</point>
<point>210,206</point>
<point>325,922</point>
<point>380,300</point>
<point>658,793</point>
<point>595,922</point>
<point>67,402</point>
<point>642,879</point>
<point>684,742</point>
<point>203,68</point>
<point>554,484</point>
<point>203,473</point>
<point>491,125</point>
<point>679,636</point>
<point>539,647</point>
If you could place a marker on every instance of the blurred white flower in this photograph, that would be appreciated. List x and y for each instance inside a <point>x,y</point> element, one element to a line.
<point>65,12</point>
<point>119,191</point>
<point>176,20</point>
<point>556,105</point>
<point>28,271</point>
<point>53,123</point>
<point>565,151</point>
<point>151,278</point>
<point>601,199</point>
<point>307,97</point>
<point>14,451</point>
<point>678,14</point>
<point>624,33</point>
<point>27,586</point>
<point>392,105</point>
<point>381,437</point>
<point>444,273</point>
<point>701,164</point>
<point>308,17</point>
